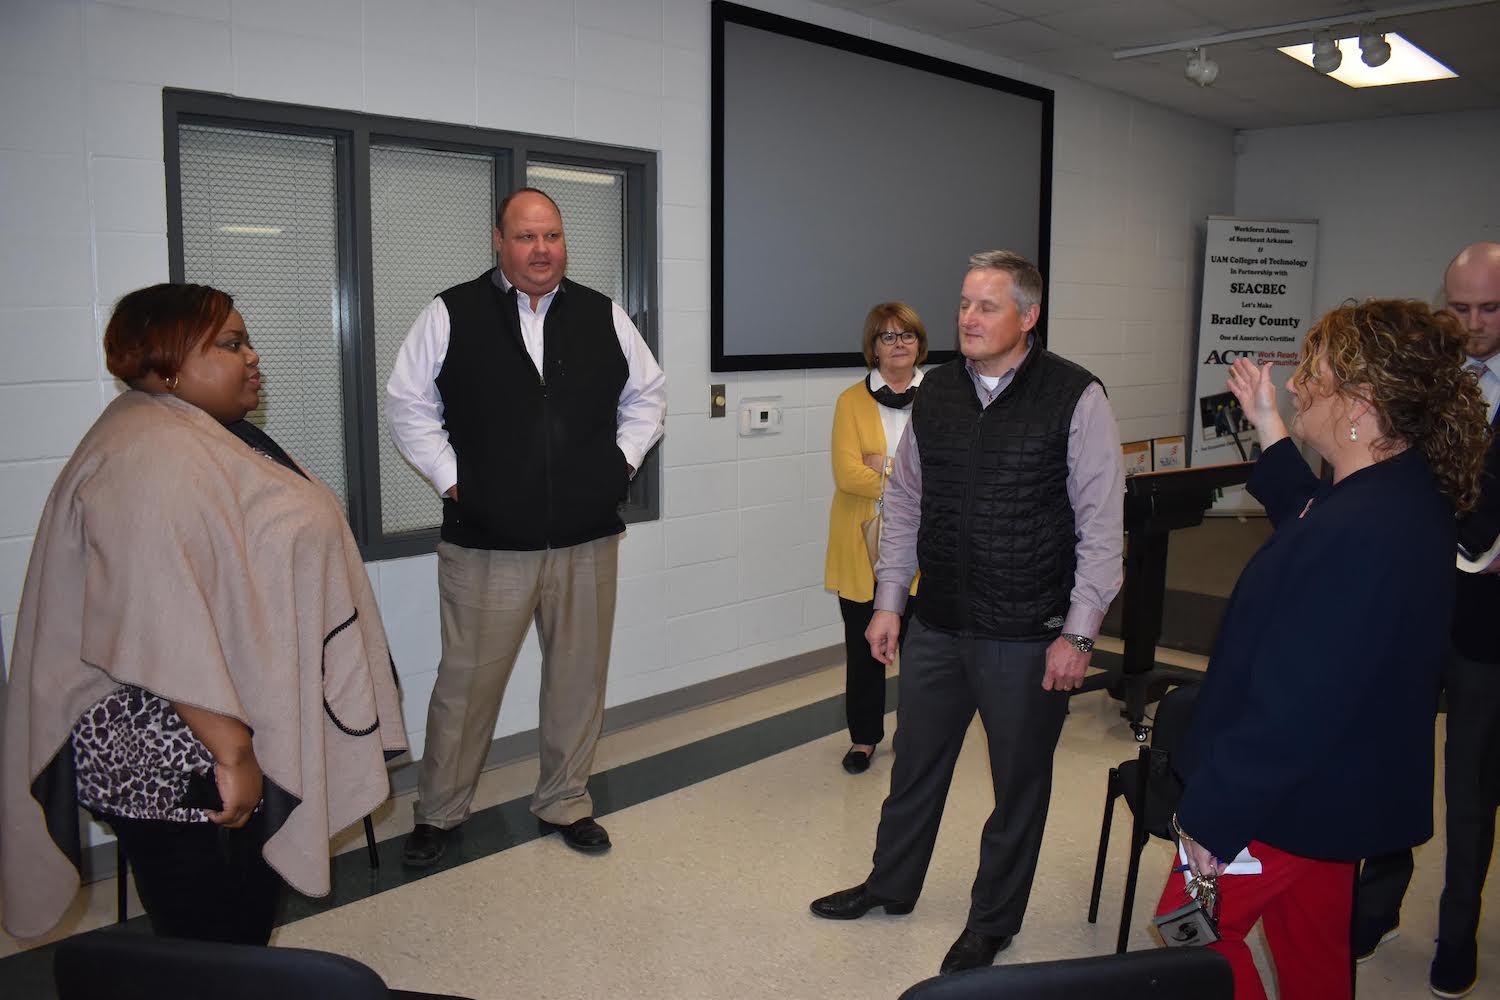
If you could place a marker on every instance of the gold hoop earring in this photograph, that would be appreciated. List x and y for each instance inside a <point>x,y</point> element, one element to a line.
<point>172,382</point>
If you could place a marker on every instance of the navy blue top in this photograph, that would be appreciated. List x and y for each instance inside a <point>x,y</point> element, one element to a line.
<point>1314,729</point>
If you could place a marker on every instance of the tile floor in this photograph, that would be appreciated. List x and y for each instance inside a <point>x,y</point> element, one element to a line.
<point>705,894</point>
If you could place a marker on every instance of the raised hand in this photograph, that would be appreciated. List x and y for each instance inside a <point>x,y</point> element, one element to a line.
<point>1252,386</point>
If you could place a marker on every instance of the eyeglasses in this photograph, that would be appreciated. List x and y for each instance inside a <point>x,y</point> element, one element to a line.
<point>905,336</point>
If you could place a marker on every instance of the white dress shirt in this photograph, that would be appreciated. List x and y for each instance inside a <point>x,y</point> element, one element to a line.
<point>414,407</point>
<point>893,421</point>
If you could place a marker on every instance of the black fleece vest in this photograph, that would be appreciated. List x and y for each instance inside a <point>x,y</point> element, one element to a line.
<point>996,543</point>
<point>538,467</point>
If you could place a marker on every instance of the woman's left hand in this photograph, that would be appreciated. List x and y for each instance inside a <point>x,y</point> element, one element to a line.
<point>240,786</point>
<point>1201,859</point>
<point>876,462</point>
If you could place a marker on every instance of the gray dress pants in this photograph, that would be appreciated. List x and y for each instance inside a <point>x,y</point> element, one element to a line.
<point>945,678</point>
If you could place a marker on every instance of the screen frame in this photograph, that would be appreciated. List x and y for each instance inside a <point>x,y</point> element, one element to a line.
<point>725,13</point>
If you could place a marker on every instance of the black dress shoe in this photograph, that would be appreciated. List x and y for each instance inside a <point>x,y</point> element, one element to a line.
<point>582,835</point>
<point>851,904</point>
<point>424,846</point>
<point>857,761</point>
<point>1455,970</point>
<point>973,950</point>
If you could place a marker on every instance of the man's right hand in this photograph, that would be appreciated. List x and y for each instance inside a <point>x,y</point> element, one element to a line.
<point>451,492</point>
<point>884,630</point>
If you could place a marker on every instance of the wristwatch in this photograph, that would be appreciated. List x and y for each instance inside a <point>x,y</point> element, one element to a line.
<point>1082,643</point>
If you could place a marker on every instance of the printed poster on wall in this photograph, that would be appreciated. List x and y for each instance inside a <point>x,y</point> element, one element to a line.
<point>1167,452</point>
<point>1257,304</point>
<point>1137,457</point>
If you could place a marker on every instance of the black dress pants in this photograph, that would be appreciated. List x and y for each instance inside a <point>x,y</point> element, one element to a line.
<point>1377,898</point>
<point>945,678</point>
<point>201,881</point>
<point>1472,787</point>
<point>864,676</point>
<point>1471,780</point>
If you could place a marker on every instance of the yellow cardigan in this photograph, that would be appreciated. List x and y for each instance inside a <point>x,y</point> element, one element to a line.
<point>857,432</point>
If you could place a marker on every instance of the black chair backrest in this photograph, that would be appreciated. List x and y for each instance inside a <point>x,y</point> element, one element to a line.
<point>115,965</point>
<point>1162,974</point>
<point>1174,714</point>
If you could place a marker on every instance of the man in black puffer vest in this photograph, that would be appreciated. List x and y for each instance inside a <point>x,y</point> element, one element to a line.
<point>528,401</point>
<point>1008,491</point>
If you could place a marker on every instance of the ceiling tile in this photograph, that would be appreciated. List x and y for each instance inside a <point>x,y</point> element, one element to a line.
<point>1257,85</point>
<point>942,17</point>
<point>1145,22</point>
<point>1237,15</point>
<point>1018,37</point>
<point>1038,8</point>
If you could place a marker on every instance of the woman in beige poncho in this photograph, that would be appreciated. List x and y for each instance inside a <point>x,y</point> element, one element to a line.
<point>199,661</point>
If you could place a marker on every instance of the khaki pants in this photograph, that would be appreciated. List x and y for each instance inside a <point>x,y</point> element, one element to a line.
<point>489,600</point>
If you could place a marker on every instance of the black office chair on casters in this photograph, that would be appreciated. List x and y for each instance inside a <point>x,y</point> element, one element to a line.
<point>1151,790</point>
<point>122,869</point>
<point>1161,974</point>
<point>111,965</point>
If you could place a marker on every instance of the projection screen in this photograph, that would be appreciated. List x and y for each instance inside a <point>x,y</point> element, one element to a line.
<point>848,172</point>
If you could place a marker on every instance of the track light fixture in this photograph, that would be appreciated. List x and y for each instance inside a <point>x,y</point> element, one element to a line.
<point>1326,54</point>
<point>1201,68</point>
<point>1389,51</point>
<point>1373,48</point>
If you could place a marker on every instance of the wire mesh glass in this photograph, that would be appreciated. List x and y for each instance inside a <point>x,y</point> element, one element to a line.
<point>431,212</point>
<point>260,221</point>
<point>592,200</point>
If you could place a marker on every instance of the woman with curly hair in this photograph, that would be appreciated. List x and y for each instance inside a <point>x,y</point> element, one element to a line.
<point>1312,740</point>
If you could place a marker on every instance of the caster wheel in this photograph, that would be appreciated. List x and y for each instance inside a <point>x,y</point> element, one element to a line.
<point>1140,731</point>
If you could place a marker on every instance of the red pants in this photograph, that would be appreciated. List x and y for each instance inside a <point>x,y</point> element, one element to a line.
<point>1306,906</point>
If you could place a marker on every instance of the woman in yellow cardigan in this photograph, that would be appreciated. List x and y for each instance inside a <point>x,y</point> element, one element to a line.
<point>868,422</point>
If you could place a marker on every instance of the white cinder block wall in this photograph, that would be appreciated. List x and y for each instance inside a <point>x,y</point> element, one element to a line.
<point>731,576</point>
<point>1395,198</point>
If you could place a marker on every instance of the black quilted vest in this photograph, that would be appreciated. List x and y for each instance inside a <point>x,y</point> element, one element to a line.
<point>538,466</point>
<point>996,543</point>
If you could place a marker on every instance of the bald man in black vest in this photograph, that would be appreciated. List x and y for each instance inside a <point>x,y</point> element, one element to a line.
<point>528,401</point>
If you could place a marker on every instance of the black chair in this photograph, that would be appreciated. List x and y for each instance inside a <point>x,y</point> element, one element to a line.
<point>122,868</point>
<point>1160,974</point>
<point>111,965</point>
<point>1151,790</point>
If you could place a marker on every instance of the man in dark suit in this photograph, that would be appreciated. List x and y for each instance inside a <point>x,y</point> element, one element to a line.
<point>1471,287</point>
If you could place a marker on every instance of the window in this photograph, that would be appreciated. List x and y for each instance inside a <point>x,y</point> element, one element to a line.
<point>333,229</point>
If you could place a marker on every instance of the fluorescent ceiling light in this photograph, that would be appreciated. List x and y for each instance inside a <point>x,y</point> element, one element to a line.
<point>251,230</point>
<point>1408,64</point>
<point>570,174</point>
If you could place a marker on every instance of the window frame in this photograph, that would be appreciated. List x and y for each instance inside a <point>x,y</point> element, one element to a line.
<point>353,133</point>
